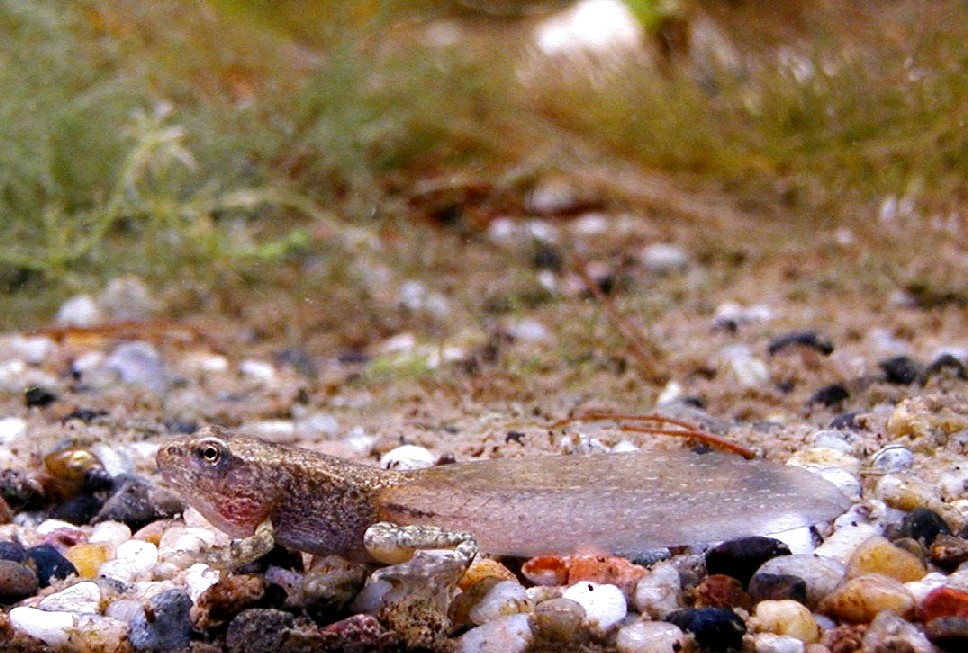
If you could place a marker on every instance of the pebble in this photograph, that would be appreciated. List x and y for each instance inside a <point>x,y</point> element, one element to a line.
<point>820,573</point>
<point>664,258</point>
<point>504,598</point>
<point>13,551</point>
<point>923,525</point>
<point>650,637</point>
<point>657,594</point>
<point>731,316</point>
<point>900,370</point>
<point>808,339</point>
<point>198,578</point>
<point>770,643</point>
<point>604,604</point>
<point>16,582</point>
<point>131,503</point>
<point>720,591</point>
<point>605,569</point>
<point>892,459</point>
<point>741,557</point>
<point>50,564</point>
<point>715,629</point>
<point>944,602</point>
<point>257,630</point>
<point>510,634</point>
<point>763,587</point>
<point>138,363</point>
<point>949,551</point>
<point>79,311</point>
<point>53,628</point>
<point>12,430</point>
<point>408,457</point>
<point>860,599</point>
<point>948,633</point>
<point>945,364</point>
<point>111,533</point>
<point>79,598</point>
<point>257,370</point>
<point>557,620</point>
<point>831,395</point>
<point>127,299</point>
<point>889,632</point>
<point>845,540</point>
<point>835,439</point>
<point>878,555</point>
<point>164,625</point>
<point>97,634</point>
<point>223,600</point>
<point>134,561</point>
<point>788,618</point>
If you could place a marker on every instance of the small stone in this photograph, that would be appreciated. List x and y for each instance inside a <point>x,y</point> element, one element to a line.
<point>944,602</point>
<point>924,525</point>
<point>664,258</point>
<point>79,509</point>
<point>198,578</point>
<point>557,620</point>
<point>222,601</point>
<point>361,632</point>
<point>164,625</point>
<point>546,570</point>
<point>134,561</point>
<point>12,551</point>
<point>50,564</point>
<point>889,633</point>
<point>770,643</point>
<point>604,569</point>
<point>52,627</point>
<point>138,363</point>
<point>604,604</point>
<point>835,439</point>
<point>720,591</point>
<point>892,459</point>
<point>860,599</point>
<point>878,555</point>
<point>765,587</point>
<point>715,629</point>
<point>38,397</point>
<point>79,311</point>
<point>483,568</point>
<point>254,631</point>
<point>16,582</point>
<point>821,574</point>
<point>830,396</point>
<point>808,339</point>
<point>741,557</point>
<point>111,533</point>
<point>657,594</point>
<point>12,429</point>
<point>408,457</point>
<point>948,633</point>
<point>79,598</point>
<point>901,370</point>
<point>650,637</point>
<point>133,502</point>
<point>944,365</point>
<point>949,551</point>
<point>329,584</point>
<point>511,634</point>
<point>747,370</point>
<point>97,634</point>
<point>504,598</point>
<point>787,618</point>
<point>127,299</point>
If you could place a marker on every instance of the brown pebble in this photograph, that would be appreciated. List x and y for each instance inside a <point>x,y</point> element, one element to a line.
<point>221,602</point>
<point>6,514</point>
<point>878,556</point>
<point>605,569</point>
<point>361,632</point>
<point>944,602</point>
<point>721,591</point>
<point>948,551</point>
<point>483,568</point>
<point>949,633</point>
<point>16,581</point>
<point>858,600</point>
<point>845,639</point>
<point>558,620</point>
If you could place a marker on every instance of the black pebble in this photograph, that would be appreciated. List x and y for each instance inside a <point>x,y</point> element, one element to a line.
<point>13,551</point>
<point>810,339</point>
<point>740,558</point>
<point>164,625</point>
<point>79,509</point>
<point>830,395</point>
<point>715,629</point>
<point>131,503</point>
<point>945,364</point>
<point>846,421</point>
<point>775,587</point>
<point>85,415</point>
<point>902,370</point>
<point>948,633</point>
<point>38,397</point>
<point>923,525</point>
<point>50,563</point>
<point>259,630</point>
<point>546,257</point>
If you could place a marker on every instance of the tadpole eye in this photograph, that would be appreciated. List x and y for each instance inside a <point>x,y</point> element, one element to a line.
<point>209,453</point>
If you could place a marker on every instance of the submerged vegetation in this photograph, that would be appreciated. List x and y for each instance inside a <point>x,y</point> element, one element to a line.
<point>175,138</point>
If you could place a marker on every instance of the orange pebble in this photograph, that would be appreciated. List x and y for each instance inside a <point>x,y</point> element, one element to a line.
<point>88,558</point>
<point>546,570</point>
<point>485,568</point>
<point>605,569</point>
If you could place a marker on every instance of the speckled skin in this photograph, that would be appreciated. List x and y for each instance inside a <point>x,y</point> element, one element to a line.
<point>627,503</point>
<point>319,504</point>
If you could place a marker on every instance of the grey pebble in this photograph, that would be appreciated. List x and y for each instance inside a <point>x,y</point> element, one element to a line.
<point>164,625</point>
<point>892,458</point>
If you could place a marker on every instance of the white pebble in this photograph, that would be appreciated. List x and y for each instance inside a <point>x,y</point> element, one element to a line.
<point>604,603</point>
<point>115,460</point>
<point>34,350</point>
<point>845,540</point>
<point>735,315</point>
<point>892,458</point>
<point>48,526</point>
<point>832,439</point>
<point>125,610</point>
<point>189,539</point>
<point>746,369</point>
<point>12,429</point>
<point>408,456</point>
<point>52,627</point>
<point>820,574</point>
<point>657,594</point>
<point>199,577</point>
<point>528,331</point>
<point>927,584</point>
<point>770,643</point>
<point>135,560</point>
<point>798,540</point>
<point>258,370</point>
<point>504,598</point>
<point>79,311</point>
<point>650,637</point>
<point>101,634</point>
<point>79,598</point>
<point>114,533</point>
<point>664,258</point>
<point>511,634</point>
